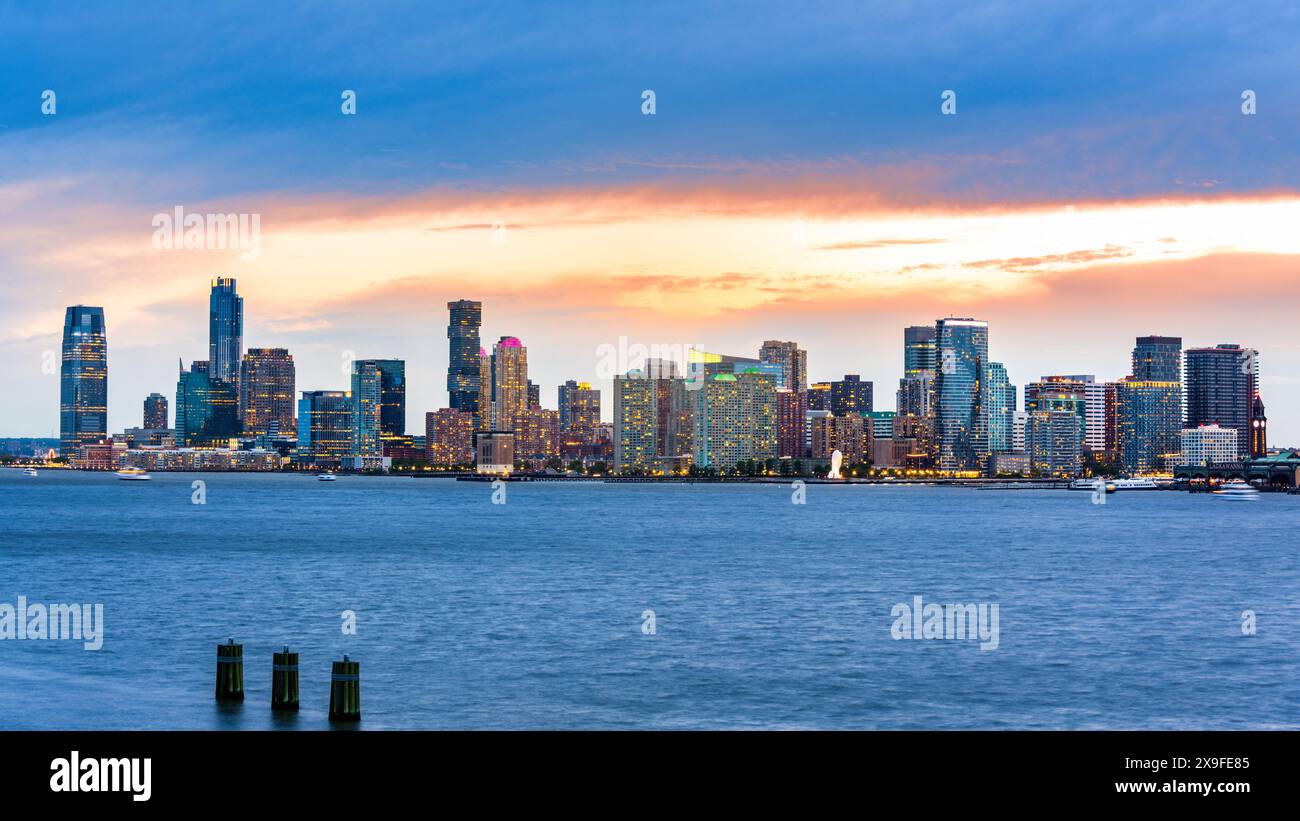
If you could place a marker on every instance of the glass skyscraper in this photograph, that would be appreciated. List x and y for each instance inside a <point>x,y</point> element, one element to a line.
<point>464,390</point>
<point>367,396</point>
<point>1222,383</point>
<point>960,421</point>
<point>1158,359</point>
<point>1150,406</point>
<point>207,409</point>
<point>1000,402</point>
<point>83,379</point>
<point>324,427</point>
<point>225,331</point>
<point>267,381</point>
<point>919,350</point>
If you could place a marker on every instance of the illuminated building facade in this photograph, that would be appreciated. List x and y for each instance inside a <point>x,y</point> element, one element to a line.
<point>83,379</point>
<point>960,423</point>
<point>225,331</point>
<point>1000,407</point>
<point>734,419</point>
<point>792,359</point>
<point>367,393</point>
<point>1209,444</point>
<point>1222,385</point>
<point>267,386</point>
<point>509,383</point>
<point>155,412</point>
<point>579,405</point>
<point>537,434</point>
<point>449,437</point>
<point>851,395</point>
<point>325,428</point>
<point>790,423</point>
<point>207,409</point>
<point>465,385</point>
<point>1055,440</point>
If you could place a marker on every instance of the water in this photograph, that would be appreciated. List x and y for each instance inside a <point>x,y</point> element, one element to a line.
<point>767,614</point>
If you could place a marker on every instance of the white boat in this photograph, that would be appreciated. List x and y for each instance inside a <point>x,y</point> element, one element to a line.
<point>1236,489</point>
<point>1091,485</point>
<point>326,476</point>
<point>1136,484</point>
<point>133,474</point>
<point>29,472</point>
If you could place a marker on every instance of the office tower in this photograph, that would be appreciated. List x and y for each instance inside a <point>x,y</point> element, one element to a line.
<point>155,412</point>
<point>1150,423</point>
<point>483,417</point>
<point>1000,402</point>
<point>509,382</point>
<point>851,395</point>
<point>635,417</point>
<point>819,396</point>
<point>1222,383</point>
<point>537,433</point>
<point>83,379</point>
<point>791,420</point>
<point>534,396</point>
<point>325,427</point>
<point>207,409</point>
<point>1112,421</point>
<point>920,353</point>
<point>734,419</point>
<point>793,362</point>
<point>367,399</point>
<point>1258,430</point>
<point>449,437</point>
<point>915,394</point>
<point>579,409</point>
<point>464,374</point>
<point>225,331</point>
<point>1209,444</point>
<point>392,400</point>
<point>1094,423</point>
<point>1158,359</point>
<point>961,436</point>
<point>1054,437</point>
<point>267,386</point>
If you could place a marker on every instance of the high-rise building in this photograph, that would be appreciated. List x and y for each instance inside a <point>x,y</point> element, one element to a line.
<point>367,400</point>
<point>579,409</point>
<point>734,419</point>
<point>392,399</point>
<point>851,395</point>
<point>819,396</point>
<point>537,433</point>
<point>1158,359</point>
<point>915,394</point>
<point>1000,404</point>
<point>652,419</point>
<point>267,386</point>
<point>1209,444</point>
<point>225,331</point>
<point>1150,423</point>
<point>1222,384</point>
<point>1094,427</point>
<point>207,409</point>
<point>449,437</point>
<point>325,426</point>
<point>851,435</point>
<point>792,359</point>
<point>791,419</point>
<point>155,412</point>
<point>961,432</point>
<point>1055,439</point>
<point>83,379</point>
<point>483,417</point>
<point>920,350</point>
<point>1060,393</point>
<point>509,382</point>
<point>464,385</point>
<point>534,396</point>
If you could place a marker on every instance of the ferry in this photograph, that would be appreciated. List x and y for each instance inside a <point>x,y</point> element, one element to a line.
<point>29,472</point>
<point>1136,484</point>
<point>1237,489</point>
<point>326,476</point>
<point>1091,485</point>
<point>133,474</point>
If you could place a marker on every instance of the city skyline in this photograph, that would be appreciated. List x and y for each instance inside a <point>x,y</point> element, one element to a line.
<point>824,198</point>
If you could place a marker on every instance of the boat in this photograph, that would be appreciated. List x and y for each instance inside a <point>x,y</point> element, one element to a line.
<point>1136,484</point>
<point>29,472</point>
<point>133,474</point>
<point>326,476</point>
<point>1091,485</point>
<point>1237,489</point>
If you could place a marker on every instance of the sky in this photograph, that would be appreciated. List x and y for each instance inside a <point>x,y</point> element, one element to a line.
<point>798,179</point>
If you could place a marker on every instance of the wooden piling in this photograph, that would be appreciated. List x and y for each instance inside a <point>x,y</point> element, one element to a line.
<point>284,681</point>
<point>230,671</point>
<point>345,691</point>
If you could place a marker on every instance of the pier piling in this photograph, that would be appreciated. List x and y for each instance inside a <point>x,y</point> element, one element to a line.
<point>284,681</point>
<point>230,671</point>
<point>345,691</point>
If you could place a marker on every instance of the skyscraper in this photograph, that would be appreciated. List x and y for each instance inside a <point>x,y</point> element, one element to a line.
<point>155,412</point>
<point>392,399</point>
<point>367,398</point>
<point>1000,402</point>
<point>207,409</point>
<point>961,433</point>
<point>1222,383</point>
<point>579,409</point>
<point>920,354</point>
<point>225,331</point>
<point>325,420</point>
<point>791,419</point>
<point>509,382</point>
<point>83,379</point>
<point>793,362</point>
<point>267,385</point>
<point>634,422</point>
<point>1150,406</point>
<point>483,416</point>
<point>734,416</point>
<point>464,388</point>
<point>449,437</point>
<point>851,395</point>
